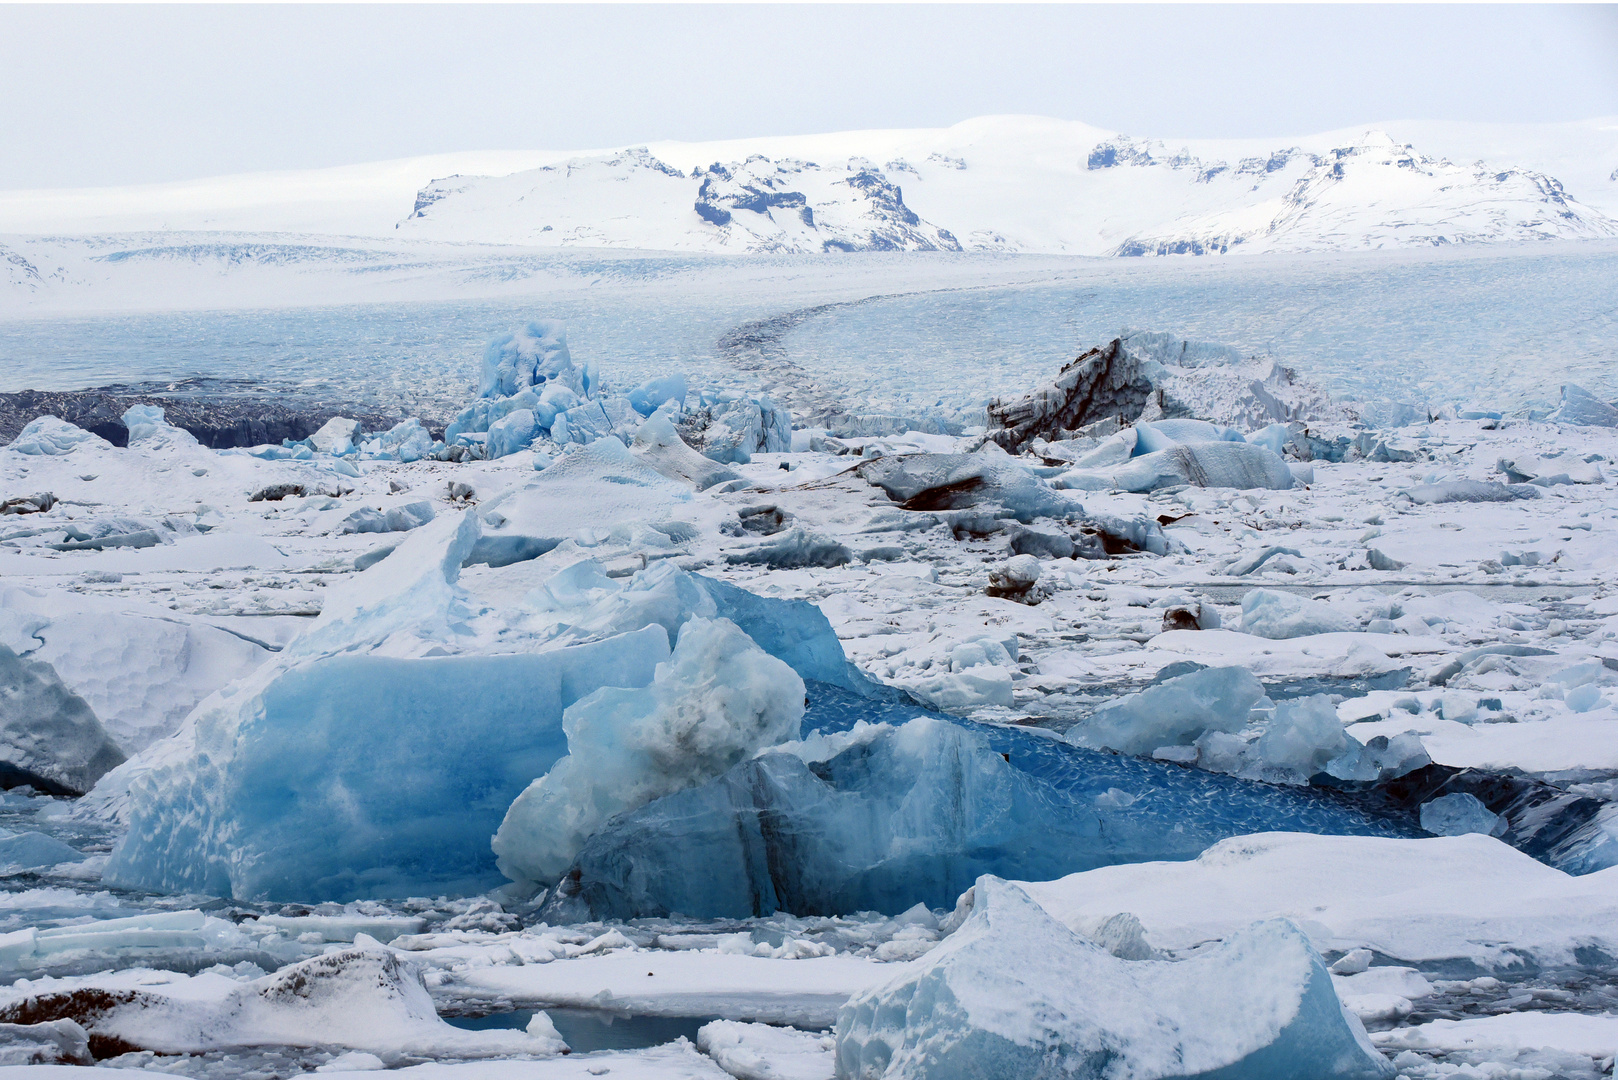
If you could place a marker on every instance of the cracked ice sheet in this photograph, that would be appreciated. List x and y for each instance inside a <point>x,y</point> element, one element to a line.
<point>806,992</point>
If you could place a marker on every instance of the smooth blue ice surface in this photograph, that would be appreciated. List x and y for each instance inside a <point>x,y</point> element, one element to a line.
<point>914,815</point>
<point>368,776</point>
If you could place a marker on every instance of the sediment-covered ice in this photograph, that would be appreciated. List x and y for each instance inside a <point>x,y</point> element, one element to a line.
<point>362,998</point>
<point>1013,993</point>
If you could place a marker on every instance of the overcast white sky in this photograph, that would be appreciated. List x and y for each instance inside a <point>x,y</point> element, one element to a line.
<point>111,95</point>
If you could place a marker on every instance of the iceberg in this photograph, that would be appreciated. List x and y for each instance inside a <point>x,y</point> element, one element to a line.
<point>1278,615</point>
<point>50,437</point>
<point>407,440</point>
<point>1175,712</point>
<point>534,356</point>
<point>399,519</point>
<point>884,805</point>
<point>511,433</point>
<point>322,776</point>
<point>731,429</point>
<point>49,737</point>
<point>1457,814</point>
<point>1219,719</point>
<point>35,850</point>
<point>1239,465</point>
<point>794,548</point>
<point>1015,994</point>
<point>337,436</point>
<point>1579,406</point>
<point>717,700</point>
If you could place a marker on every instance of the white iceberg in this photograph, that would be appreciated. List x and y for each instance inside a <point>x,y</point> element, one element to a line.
<point>1015,994</point>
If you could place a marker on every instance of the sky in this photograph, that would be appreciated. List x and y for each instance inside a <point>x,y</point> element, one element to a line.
<point>133,94</point>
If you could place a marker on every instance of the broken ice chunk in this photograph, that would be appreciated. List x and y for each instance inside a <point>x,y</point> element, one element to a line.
<point>1172,713</point>
<point>1014,993</point>
<point>1457,814</point>
<point>1279,615</point>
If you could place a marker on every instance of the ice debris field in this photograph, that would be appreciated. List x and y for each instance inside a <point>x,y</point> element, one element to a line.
<point>1168,717</point>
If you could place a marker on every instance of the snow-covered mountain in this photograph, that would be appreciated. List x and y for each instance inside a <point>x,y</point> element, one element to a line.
<point>1008,183</point>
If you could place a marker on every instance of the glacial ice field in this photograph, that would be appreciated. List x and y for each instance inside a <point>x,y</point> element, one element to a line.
<point>713,688</point>
<point>903,335</point>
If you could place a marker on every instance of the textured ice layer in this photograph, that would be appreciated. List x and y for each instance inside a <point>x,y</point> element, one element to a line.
<point>1014,993</point>
<point>884,817</point>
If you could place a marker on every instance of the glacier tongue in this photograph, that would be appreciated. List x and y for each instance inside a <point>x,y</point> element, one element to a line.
<point>1013,992</point>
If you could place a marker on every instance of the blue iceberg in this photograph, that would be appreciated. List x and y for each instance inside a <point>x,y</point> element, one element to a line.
<point>884,805</point>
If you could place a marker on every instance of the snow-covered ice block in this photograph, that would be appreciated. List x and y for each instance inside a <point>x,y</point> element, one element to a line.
<point>659,445</point>
<point>368,519</point>
<point>1277,615</point>
<point>511,433</point>
<point>1175,712</point>
<point>1457,814</point>
<point>1013,993</point>
<point>337,436</point>
<point>49,436</point>
<point>123,938</point>
<point>49,737</point>
<point>600,486</point>
<point>794,548</point>
<point>1579,406</point>
<point>1420,901</point>
<point>1471,491</point>
<point>765,1052</point>
<point>1238,465</point>
<point>363,998</point>
<point>718,699</point>
<point>880,817</point>
<point>141,671</point>
<point>960,481</point>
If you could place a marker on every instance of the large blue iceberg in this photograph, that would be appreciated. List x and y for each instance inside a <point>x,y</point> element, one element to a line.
<point>379,752</point>
<point>884,805</point>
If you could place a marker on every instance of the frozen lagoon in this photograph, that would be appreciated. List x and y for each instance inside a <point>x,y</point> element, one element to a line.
<point>909,608</point>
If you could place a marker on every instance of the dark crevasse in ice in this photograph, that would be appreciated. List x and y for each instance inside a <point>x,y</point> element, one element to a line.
<point>914,815</point>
